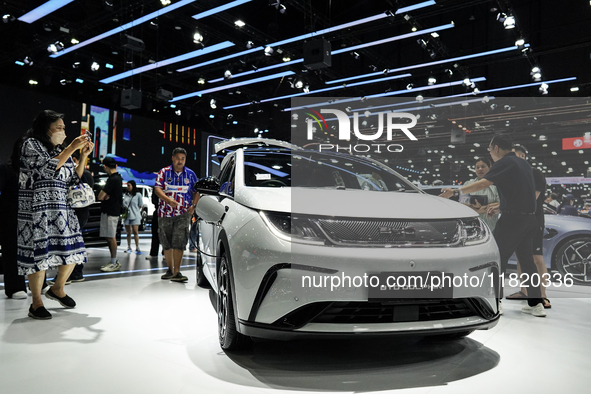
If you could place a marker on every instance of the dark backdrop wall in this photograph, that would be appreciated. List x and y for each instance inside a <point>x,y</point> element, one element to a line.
<point>145,143</point>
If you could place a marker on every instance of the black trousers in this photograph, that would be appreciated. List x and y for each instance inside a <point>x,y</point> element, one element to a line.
<point>514,233</point>
<point>155,245</point>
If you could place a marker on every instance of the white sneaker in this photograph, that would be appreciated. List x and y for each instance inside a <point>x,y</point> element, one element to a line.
<point>500,308</point>
<point>111,267</point>
<point>537,311</point>
<point>19,295</point>
<point>129,250</point>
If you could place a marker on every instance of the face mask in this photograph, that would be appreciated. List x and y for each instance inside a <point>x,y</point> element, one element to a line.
<point>58,137</point>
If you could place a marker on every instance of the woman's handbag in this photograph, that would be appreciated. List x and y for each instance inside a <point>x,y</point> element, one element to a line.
<point>80,195</point>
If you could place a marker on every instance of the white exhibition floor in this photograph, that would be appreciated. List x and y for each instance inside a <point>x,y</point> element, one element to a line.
<point>140,334</point>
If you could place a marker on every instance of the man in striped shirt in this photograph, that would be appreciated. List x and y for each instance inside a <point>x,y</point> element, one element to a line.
<point>175,187</point>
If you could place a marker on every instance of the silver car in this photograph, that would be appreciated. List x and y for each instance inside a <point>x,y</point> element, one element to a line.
<point>298,243</point>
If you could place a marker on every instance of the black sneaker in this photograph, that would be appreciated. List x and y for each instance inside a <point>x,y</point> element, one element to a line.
<point>76,279</point>
<point>40,313</point>
<point>179,277</point>
<point>65,301</point>
<point>167,275</point>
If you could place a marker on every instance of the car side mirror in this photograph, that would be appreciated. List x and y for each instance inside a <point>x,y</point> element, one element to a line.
<point>209,185</point>
<point>210,210</point>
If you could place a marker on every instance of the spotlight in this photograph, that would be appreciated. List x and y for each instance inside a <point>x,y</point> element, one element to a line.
<point>33,82</point>
<point>355,55</point>
<point>47,26</point>
<point>286,58</point>
<point>55,47</point>
<point>431,81</point>
<point>493,106</point>
<point>239,23</point>
<point>306,89</point>
<point>544,88</point>
<point>574,89</point>
<point>520,42</point>
<point>485,99</point>
<point>178,112</point>
<point>299,84</point>
<point>28,61</point>
<point>197,38</point>
<point>419,98</point>
<point>6,18</point>
<point>410,86</point>
<point>227,74</point>
<point>95,66</point>
<point>63,82</point>
<point>422,43</point>
<point>249,44</point>
<point>509,22</point>
<point>230,116</point>
<point>212,104</point>
<point>75,64</point>
<point>268,51</point>
<point>201,81</point>
<point>74,41</point>
<point>373,68</point>
<point>449,72</point>
<point>475,91</point>
<point>536,73</point>
<point>165,2</point>
<point>507,107</point>
<point>467,82</point>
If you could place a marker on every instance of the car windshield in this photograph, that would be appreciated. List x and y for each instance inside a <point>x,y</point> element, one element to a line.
<point>319,170</point>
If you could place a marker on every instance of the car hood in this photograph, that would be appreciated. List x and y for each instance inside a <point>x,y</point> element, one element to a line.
<point>352,203</point>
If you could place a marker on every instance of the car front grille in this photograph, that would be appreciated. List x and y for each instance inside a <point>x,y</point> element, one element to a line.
<point>403,310</point>
<point>375,232</point>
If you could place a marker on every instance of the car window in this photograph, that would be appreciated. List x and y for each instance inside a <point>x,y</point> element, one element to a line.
<point>227,178</point>
<point>319,170</point>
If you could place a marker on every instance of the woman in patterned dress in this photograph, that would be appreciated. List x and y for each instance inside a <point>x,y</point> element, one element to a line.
<point>48,230</point>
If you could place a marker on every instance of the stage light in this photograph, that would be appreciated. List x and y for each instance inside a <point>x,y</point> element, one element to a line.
<point>509,22</point>
<point>28,61</point>
<point>198,38</point>
<point>212,104</point>
<point>239,23</point>
<point>165,2</point>
<point>95,66</point>
<point>33,82</point>
<point>431,81</point>
<point>268,51</point>
<point>201,81</point>
<point>249,44</point>
<point>519,42</point>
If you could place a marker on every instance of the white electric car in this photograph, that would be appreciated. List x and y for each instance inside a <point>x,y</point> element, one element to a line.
<point>299,243</point>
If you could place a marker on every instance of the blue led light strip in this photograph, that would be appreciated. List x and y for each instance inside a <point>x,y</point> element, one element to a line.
<point>309,35</point>
<point>323,90</point>
<point>220,9</point>
<point>369,44</point>
<point>43,9</point>
<point>234,85</point>
<point>176,59</point>
<point>394,93</point>
<point>126,26</point>
<point>260,70</point>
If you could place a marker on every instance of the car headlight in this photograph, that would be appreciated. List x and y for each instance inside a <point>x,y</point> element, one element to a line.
<point>473,231</point>
<point>293,228</point>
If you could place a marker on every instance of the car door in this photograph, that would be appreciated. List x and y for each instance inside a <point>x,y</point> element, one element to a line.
<point>209,232</point>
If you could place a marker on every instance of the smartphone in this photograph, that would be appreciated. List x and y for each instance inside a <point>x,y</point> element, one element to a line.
<point>482,200</point>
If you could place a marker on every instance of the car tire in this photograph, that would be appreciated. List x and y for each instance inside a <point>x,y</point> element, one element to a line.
<point>144,220</point>
<point>200,278</point>
<point>574,258</point>
<point>229,337</point>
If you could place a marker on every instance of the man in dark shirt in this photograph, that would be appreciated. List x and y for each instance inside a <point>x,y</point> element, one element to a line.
<point>516,227</point>
<point>111,197</point>
<point>540,185</point>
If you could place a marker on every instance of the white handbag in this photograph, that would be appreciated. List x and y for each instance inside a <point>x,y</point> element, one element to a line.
<point>80,195</point>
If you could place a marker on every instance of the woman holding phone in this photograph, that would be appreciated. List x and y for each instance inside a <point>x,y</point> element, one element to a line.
<point>481,200</point>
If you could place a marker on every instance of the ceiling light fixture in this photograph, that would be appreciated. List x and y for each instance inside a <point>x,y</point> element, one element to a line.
<point>95,66</point>
<point>165,2</point>
<point>432,81</point>
<point>322,90</point>
<point>227,74</point>
<point>176,59</point>
<point>198,38</point>
<point>212,104</point>
<point>509,22</point>
<point>126,26</point>
<point>219,9</point>
<point>243,83</point>
<point>239,23</point>
<point>44,9</point>
<point>268,51</point>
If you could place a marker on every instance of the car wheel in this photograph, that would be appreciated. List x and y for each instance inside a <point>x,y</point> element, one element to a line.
<point>144,220</point>
<point>573,258</point>
<point>229,337</point>
<point>201,279</point>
